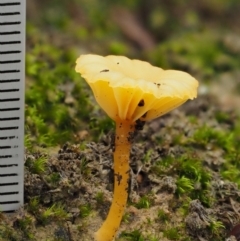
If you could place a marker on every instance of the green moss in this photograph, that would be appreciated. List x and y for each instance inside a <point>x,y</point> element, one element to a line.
<point>100,198</point>
<point>37,166</point>
<point>147,156</point>
<point>153,238</point>
<point>163,216</point>
<point>216,227</point>
<point>223,117</point>
<point>100,126</point>
<point>184,185</point>
<point>25,224</point>
<point>192,168</point>
<point>126,217</point>
<point>194,179</point>
<point>172,234</point>
<point>8,233</point>
<point>84,168</point>
<point>33,205</point>
<point>131,236</point>
<point>231,173</point>
<point>163,166</point>
<point>201,52</point>
<point>55,212</point>
<point>206,135</point>
<point>231,167</point>
<point>144,202</point>
<point>118,48</point>
<point>53,179</point>
<point>57,103</point>
<point>85,210</point>
<point>83,226</point>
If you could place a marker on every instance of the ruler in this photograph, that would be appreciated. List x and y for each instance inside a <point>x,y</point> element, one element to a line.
<point>12,82</point>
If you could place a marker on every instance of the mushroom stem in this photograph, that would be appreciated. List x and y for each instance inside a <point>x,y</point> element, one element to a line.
<point>124,133</point>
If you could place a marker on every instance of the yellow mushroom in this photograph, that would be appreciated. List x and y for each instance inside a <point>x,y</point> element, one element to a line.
<point>130,92</point>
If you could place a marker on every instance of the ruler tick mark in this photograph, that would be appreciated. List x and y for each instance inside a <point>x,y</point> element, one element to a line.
<point>10,33</point>
<point>9,128</point>
<point>10,52</point>
<point>10,42</point>
<point>9,71</point>
<point>9,13</point>
<point>10,61</point>
<point>9,4</point>
<point>9,90</point>
<point>7,100</point>
<point>10,109</point>
<point>9,119</point>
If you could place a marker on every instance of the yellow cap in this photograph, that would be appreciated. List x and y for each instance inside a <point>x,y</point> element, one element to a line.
<point>133,89</point>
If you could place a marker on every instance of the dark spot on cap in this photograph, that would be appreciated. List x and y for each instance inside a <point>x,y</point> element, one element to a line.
<point>157,84</point>
<point>141,103</point>
<point>144,115</point>
<point>104,70</point>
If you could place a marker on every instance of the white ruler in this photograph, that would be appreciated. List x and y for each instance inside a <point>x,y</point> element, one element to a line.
<point>12,81</point>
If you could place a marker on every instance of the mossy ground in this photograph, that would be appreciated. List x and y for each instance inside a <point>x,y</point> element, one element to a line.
<point>185,181</point>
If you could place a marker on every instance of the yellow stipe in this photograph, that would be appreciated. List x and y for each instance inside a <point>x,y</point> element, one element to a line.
<point>121,178</point>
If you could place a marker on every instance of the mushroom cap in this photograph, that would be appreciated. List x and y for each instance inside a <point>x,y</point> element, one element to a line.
<point>132,89</point>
